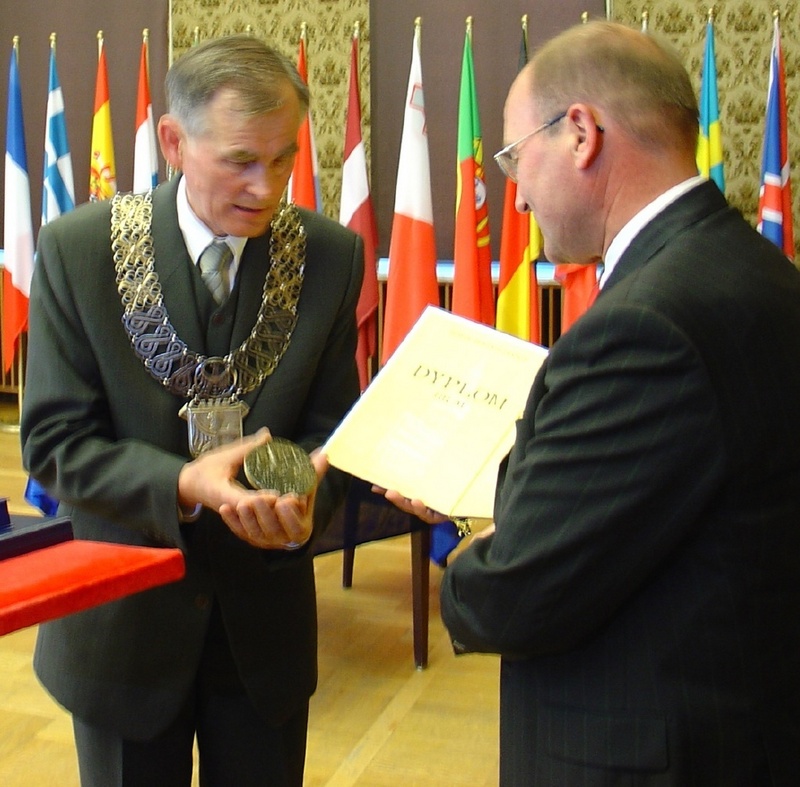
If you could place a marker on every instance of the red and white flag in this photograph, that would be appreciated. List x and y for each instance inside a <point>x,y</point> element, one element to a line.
<point>412,284</point>
<point>145,157</point>
<point>357,213</point>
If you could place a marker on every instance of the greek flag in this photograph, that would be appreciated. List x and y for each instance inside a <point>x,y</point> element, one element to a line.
<point>58,194</point>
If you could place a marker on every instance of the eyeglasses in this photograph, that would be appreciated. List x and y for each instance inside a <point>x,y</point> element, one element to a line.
<point>506,158</point>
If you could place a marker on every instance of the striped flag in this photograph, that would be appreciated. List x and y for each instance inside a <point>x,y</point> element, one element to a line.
<point>520,247</point>
<point>103,175</point>
<point>356,212</point>
<point>709,142</point>
<point>58,187</point>
<point>304,187</point>
<point>473,295</point>
<point>58,196</point>
<point>145,157</point>
<point>775,196</point>
<point>412,284</point>
<point>17,223</point>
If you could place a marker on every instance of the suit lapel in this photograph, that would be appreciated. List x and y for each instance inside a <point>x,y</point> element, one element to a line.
<point>175,269</point>
<point>677,218</point>
<point>249,287</point>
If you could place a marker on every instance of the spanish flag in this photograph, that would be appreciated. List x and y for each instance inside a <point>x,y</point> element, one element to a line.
<point>103,176</point>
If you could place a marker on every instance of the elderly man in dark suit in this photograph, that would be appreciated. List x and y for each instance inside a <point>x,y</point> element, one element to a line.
<point>125,335</point>
<point>642,583</point>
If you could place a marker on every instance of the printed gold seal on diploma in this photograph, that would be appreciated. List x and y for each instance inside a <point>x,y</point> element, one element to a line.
<point>280,465</point>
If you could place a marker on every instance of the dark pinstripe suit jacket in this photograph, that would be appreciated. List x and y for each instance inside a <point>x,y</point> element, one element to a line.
<point>105,437</point>
<point>643,584</point>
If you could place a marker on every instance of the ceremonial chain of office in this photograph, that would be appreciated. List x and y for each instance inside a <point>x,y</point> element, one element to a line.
<point>165,356</point>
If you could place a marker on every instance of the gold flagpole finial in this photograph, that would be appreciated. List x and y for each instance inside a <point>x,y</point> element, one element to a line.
<point>776,14</point>
<point>304,31</point>
<point>418,24</point>
<point>711,13</point>
<point>52,40</point>
<point>145,35</point>
<point>15,43</point>
<point>584,17</point>
<point>469,26</point>
<point>645,19</point>
<point>356,29</point>
<point>524,22</point>
<point>196,36</point>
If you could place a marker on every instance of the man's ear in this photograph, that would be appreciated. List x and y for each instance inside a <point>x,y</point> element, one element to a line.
<point>170,139</point>
<point>588,135</point>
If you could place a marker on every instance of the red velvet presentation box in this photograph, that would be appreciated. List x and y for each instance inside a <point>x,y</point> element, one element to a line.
<point>73,575</point>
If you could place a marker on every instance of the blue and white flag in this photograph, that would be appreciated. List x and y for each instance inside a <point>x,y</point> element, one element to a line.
<point>58,197</point>
<point>58,194</point>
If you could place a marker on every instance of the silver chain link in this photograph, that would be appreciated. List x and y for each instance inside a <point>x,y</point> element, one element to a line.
<point>166,357</point>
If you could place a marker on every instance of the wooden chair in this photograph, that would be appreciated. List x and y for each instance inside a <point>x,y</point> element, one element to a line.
<point>366,516</point>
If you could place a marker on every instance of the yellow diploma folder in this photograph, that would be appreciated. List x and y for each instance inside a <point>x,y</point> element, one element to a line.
<point>439,417</point>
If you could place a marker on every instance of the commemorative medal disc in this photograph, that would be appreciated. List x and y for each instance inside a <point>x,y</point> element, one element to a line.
<point>280,465</point>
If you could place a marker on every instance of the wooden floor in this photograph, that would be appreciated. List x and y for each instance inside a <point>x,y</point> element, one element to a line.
<point>375,720</point>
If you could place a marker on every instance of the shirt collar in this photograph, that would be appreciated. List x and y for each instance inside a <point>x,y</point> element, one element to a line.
<point>197,236</point>
<point>640,220</point>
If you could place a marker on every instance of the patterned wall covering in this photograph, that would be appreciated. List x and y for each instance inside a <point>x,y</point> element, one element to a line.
<point>742,39</point>
<point>330,27</point>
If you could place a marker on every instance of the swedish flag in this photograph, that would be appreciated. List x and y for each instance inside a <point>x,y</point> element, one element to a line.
<point>709,143</point>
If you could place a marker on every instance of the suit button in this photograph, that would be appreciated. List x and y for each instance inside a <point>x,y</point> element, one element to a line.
<point>202,600</point>
<point>218,319</point>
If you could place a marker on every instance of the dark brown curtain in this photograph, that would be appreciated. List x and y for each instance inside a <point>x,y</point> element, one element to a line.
<point>76,24</point>
<point>495,43</point>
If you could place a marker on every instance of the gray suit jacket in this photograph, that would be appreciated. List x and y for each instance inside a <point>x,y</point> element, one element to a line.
<point>105,438</point>
<point>642,584</point>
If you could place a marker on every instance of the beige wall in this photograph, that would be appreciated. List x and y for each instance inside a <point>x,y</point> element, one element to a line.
<point>743,36</point>
<point>742,40</point>
<point>330,27</point>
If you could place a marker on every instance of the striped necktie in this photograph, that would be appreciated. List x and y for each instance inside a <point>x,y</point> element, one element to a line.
<point>215,264</point>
